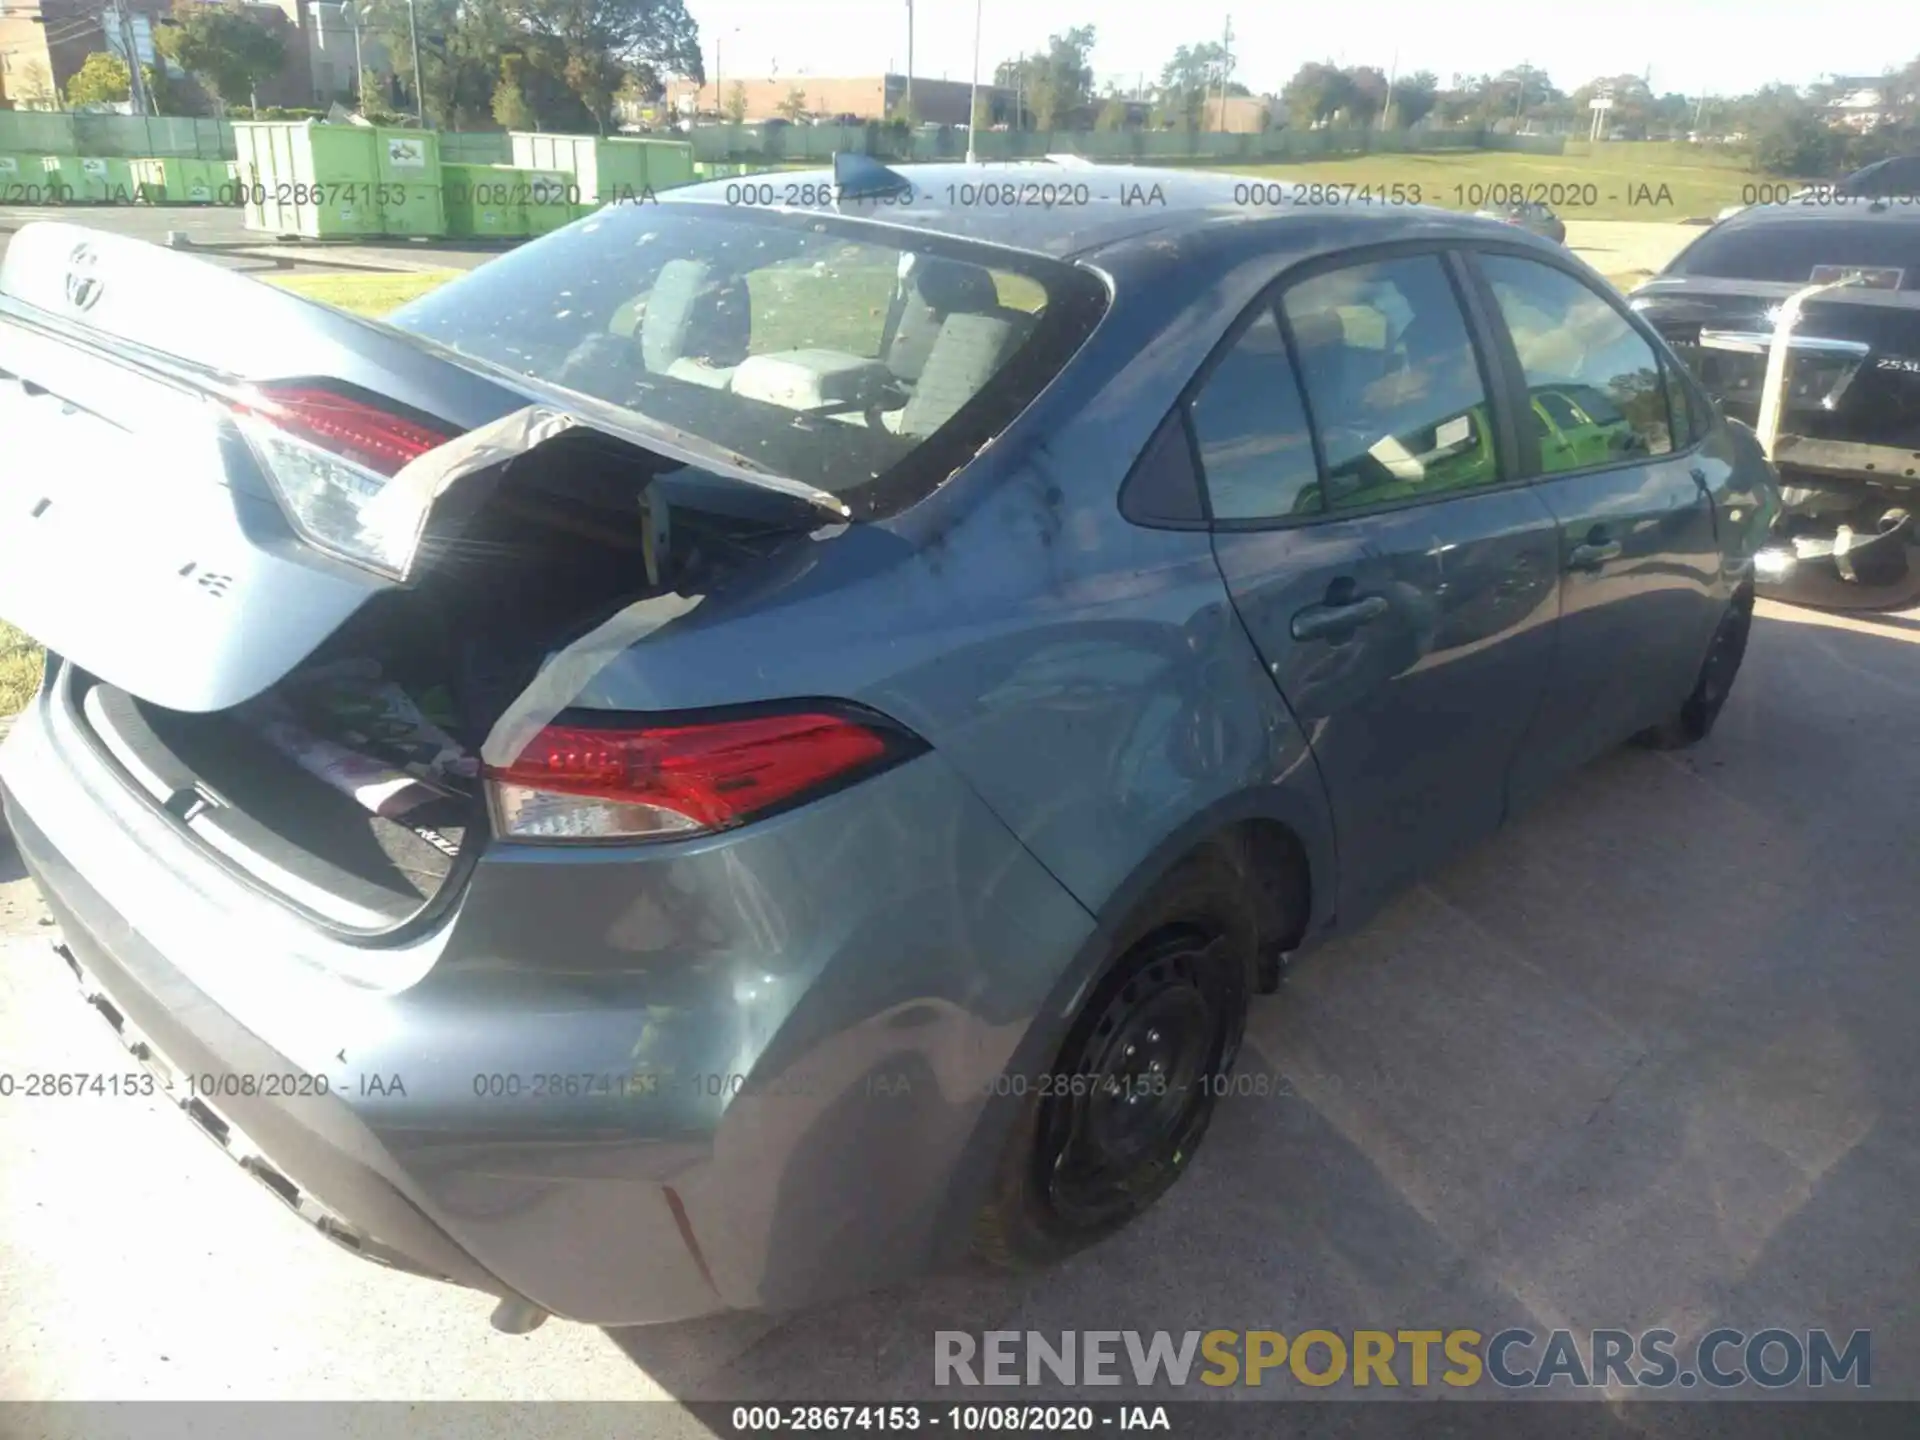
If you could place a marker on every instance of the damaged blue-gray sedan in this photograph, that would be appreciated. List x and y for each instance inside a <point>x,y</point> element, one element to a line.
<point>742,751</point>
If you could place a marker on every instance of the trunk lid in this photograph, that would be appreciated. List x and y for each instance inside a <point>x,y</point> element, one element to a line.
<point>142,533</point>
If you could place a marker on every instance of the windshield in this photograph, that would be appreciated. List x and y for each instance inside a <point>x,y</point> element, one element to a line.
<point>1793,250</point>
<point>850,357</point>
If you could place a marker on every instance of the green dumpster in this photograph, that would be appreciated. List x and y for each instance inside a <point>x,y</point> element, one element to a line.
<point>412,209</point>
<point>327,181</point>
<point>299,177</point>
<point>550,200</point>
<point>180,180</point>
<point>611,171</point>
<point>89,179</point>
<point>487,202</point>
<point>19,174</point>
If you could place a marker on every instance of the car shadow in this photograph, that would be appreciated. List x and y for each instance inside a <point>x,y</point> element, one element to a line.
<point>1642,1060</point>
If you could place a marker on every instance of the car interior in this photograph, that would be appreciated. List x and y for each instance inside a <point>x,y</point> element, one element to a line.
<point>946,333</point>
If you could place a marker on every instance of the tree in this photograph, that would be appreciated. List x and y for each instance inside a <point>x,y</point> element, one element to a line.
<point>591,39</point>
<point>33,87</point>
<point>1113,116</point>
<point>983,113</point>
<point>171,94</point>
<point>227,49</point>
<point>1188,78</point>
<point>596,78</point>
<point>1414,98</point>
<point>736,106</point>
<point>794,107</point>
<point>1316,93</point>
<point>510,106</point>
<point>102,79</point>
<point>1795,143</point>
<point>1056,83</point>
<point>1366,95</point>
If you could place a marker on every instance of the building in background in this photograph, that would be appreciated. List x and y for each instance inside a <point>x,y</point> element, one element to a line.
<point>1243,114</point>
<point>330,50</point>
<point>43,43</point>
<point>1863,103</point>
<point>868,97</point>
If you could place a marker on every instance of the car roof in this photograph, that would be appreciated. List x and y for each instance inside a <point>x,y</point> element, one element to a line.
<point>1824,210</point>
<point>1057,207</point>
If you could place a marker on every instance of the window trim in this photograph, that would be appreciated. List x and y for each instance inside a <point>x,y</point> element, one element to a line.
<point>1177,415</point>
<point>1516,391</point>
<point>1473,318</point>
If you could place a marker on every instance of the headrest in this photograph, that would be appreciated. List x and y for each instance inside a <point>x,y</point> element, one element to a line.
<point>951,287</point>
<point>694,314</point>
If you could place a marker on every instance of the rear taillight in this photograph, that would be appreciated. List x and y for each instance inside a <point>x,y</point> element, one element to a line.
<point>590,782</point>
<point>330,457</point>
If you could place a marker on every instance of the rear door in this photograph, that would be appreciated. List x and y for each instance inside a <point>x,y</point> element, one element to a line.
<point>1396,580</point>
<point>1639,561</point>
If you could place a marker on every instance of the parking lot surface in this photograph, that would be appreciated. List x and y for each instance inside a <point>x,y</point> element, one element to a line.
<point>1644,1059</point>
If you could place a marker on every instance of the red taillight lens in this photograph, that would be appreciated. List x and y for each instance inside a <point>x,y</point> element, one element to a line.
<point>364,434</point>
<point>576,782</point>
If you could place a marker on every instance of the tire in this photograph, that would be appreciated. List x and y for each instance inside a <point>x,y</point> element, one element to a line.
<point>1078,1167</point>
<point>1694,720</point>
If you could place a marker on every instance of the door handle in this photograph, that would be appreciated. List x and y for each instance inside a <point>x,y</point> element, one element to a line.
<point>1325,622</point>
<point>1595,551</point>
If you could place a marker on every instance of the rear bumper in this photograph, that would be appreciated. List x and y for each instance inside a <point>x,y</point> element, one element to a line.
<point>624,1086</point>
<point>1845,460</point>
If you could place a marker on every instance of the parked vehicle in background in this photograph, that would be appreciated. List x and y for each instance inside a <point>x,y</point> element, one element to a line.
<point>1848,444</point>
<point>1533,216</point>
<point>1895,178</point>
<point>735,752</point>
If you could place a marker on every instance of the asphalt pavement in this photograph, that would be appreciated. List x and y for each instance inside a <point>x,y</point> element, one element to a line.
<point>1645,1058</point>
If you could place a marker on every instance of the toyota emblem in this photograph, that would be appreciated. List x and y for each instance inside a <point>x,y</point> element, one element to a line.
<point>83,285</point>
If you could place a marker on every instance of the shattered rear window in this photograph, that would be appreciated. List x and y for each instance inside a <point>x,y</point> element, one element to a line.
<point>855,358</point>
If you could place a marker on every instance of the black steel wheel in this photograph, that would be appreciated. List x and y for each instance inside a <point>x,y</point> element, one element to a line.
<point>1114,1123</point>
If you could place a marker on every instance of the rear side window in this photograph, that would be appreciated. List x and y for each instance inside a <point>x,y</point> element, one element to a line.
<point>1392,382</point>
<point>1587,369</point>
<point>1254,444</point>
<point>858,358</point>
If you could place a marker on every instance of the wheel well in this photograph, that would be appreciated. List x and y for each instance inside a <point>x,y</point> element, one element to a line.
<point>1270,863</point>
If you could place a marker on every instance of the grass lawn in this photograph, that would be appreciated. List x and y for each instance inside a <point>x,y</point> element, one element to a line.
<point>19,670</point>
<point>371,295</point>
<point>1617,182</point>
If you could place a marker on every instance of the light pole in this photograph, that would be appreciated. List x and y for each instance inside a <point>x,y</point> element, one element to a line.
<point>719,97</point>
<point>910,58</point>
<point>359,65</point>
<point>973,100</point>
<point>419,87</point>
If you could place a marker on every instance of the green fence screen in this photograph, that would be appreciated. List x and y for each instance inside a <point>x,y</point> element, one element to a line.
<point>135,136</point>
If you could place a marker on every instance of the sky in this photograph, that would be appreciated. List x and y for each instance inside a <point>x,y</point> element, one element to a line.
<point>1710,47</point>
